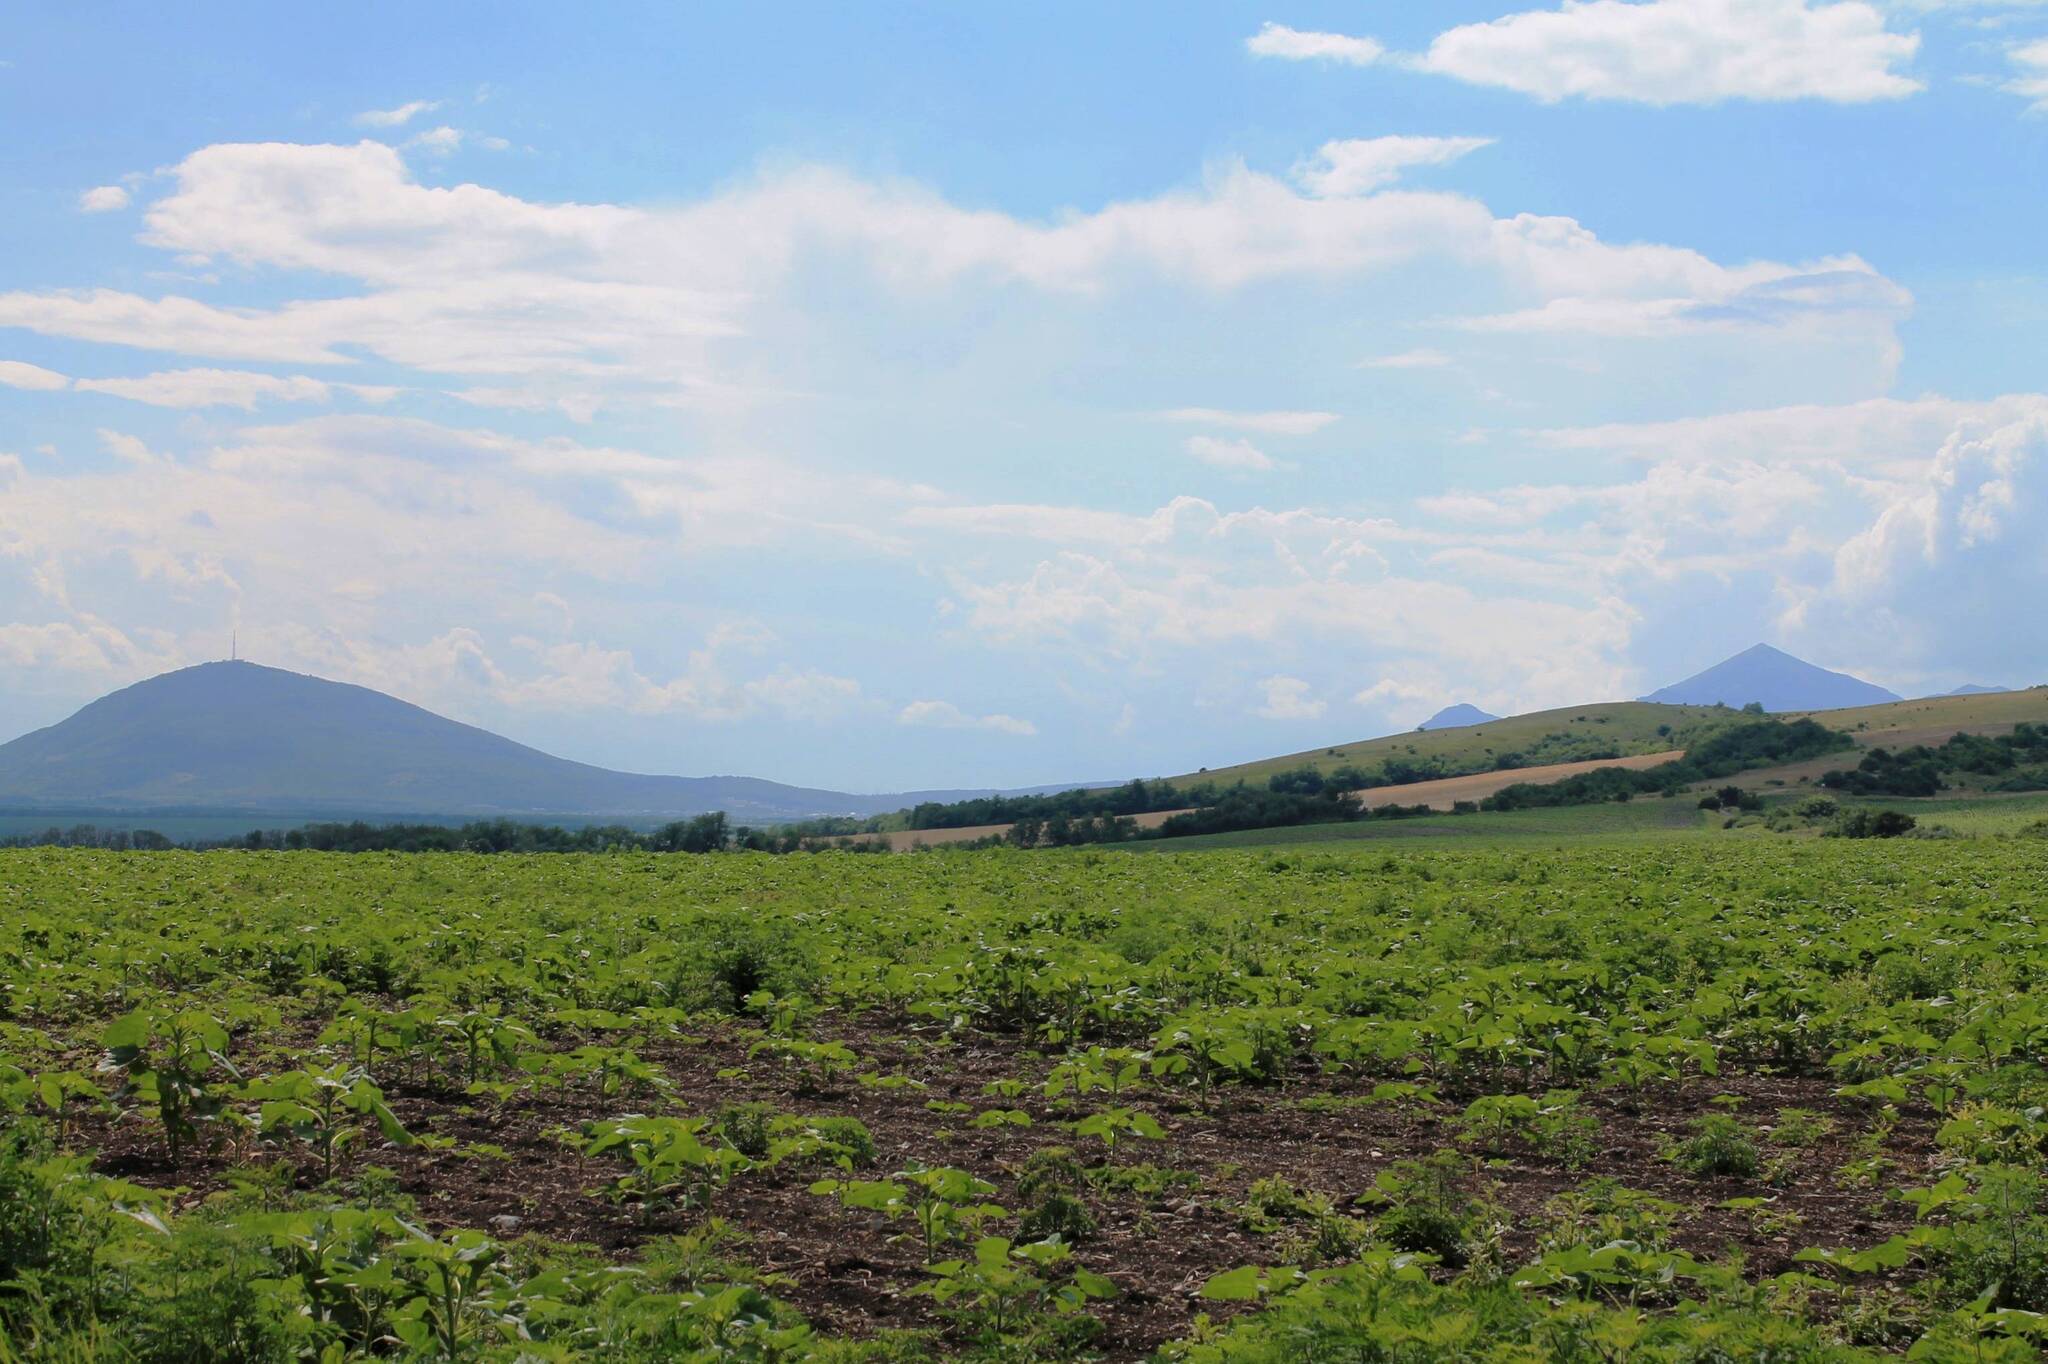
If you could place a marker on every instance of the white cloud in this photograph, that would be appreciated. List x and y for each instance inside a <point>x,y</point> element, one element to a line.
<point>441,141</point>
<point>1278,40</point>
<point>398,117</point>
<point>946,715</point>
<point>227,388</point>
<point>1363,165</point>
<point>1916,584</point>
<point>1684,52</point>
<point>103,199</point>
<point>2031,80</point>
<point>1223,453</point>
<point>1402,692</point>
<point>1265,423</point>
<point>1424,358</point>
<point>20,374</point>
<point>595,302</point>
<point>1288,698</point>
<point>128,449</point>
<point>85,646</point>
<point>1880,435</point>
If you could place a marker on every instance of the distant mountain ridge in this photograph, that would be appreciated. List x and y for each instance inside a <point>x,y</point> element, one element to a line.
<point>1457,717</point>
<point>1775,679</point>
<point>241,736</point>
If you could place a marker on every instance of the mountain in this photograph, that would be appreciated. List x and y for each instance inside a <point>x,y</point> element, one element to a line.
<point>1977,689</point>
<point>237,736</point>
<point>1780,681</point>
<point>1457,717</point>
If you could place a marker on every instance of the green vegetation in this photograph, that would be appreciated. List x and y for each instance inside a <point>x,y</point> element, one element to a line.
<point>456,1106</point>
<point>2007,762</point>
<point>1731,749</point>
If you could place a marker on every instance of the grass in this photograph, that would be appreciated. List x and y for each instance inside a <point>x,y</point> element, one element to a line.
<point>1987,813</point>
<point>2000,710</point>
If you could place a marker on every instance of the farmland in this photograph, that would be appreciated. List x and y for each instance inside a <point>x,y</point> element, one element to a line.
<point>1780,1094</point>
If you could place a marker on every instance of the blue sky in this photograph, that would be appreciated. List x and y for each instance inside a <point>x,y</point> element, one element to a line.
<point>1019,393</point>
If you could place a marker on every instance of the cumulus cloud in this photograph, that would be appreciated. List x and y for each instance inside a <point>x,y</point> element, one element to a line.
<point>1278,40</point>
<point>1362,165</point>
<point>946,715</point>
<point>1913,585</point>
<point>1288,698</point>
<point>1222,452</point>
<point>1684,52</point>
<point>103,199</point>
<point>21,374</point>
<point>397,117</point>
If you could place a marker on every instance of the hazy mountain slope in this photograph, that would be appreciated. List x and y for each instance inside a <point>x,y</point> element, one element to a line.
<point>1457,716</point>
<point>1775,678</point>
<point>236,735</point>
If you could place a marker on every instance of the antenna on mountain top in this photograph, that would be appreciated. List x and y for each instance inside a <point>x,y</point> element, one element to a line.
<point>234,646</point>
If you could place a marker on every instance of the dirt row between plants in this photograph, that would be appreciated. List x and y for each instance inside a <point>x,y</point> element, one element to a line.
<point>851,1274</point>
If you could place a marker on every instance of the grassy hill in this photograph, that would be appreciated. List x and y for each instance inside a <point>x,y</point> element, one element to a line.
<point>1629,728</point>
<point>1932,719</point>
<point>1575,733</point>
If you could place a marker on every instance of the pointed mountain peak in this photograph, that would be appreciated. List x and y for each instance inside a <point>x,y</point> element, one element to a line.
<point>1774,679</point>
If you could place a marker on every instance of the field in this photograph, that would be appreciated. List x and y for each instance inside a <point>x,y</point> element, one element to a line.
<point>1640,1096</point>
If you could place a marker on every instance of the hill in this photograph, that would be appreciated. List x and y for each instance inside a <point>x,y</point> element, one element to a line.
<point>1777,680</point>
<point>238,736</point>
<point>1456,717</point>
<point>1572,734</point>
<point>1976,689</point>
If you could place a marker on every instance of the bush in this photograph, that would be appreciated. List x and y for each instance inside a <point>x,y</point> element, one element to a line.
<point>1429,1210</point>
<point>1718,1146</point>
<point>1871,824</point>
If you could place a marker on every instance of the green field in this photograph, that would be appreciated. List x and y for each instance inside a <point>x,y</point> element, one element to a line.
<point>1698,1096</point>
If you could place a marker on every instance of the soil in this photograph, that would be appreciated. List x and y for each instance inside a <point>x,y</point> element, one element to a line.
<point>847,1274</point>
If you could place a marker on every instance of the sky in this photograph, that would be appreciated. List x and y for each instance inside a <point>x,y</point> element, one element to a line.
<point>944,395</point>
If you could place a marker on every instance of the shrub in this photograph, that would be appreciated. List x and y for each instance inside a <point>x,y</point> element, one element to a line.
<point>1428,1208</point>
<point>1718,1145</point>
<point>1058,1214</point>
<point>1871,824</point>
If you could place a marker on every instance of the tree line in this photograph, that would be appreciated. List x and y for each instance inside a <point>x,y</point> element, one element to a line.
<point>2009,762</point>
<point>1737,748</point>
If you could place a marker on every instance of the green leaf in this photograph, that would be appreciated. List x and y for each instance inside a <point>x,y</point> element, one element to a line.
<point>1236,1285</point>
